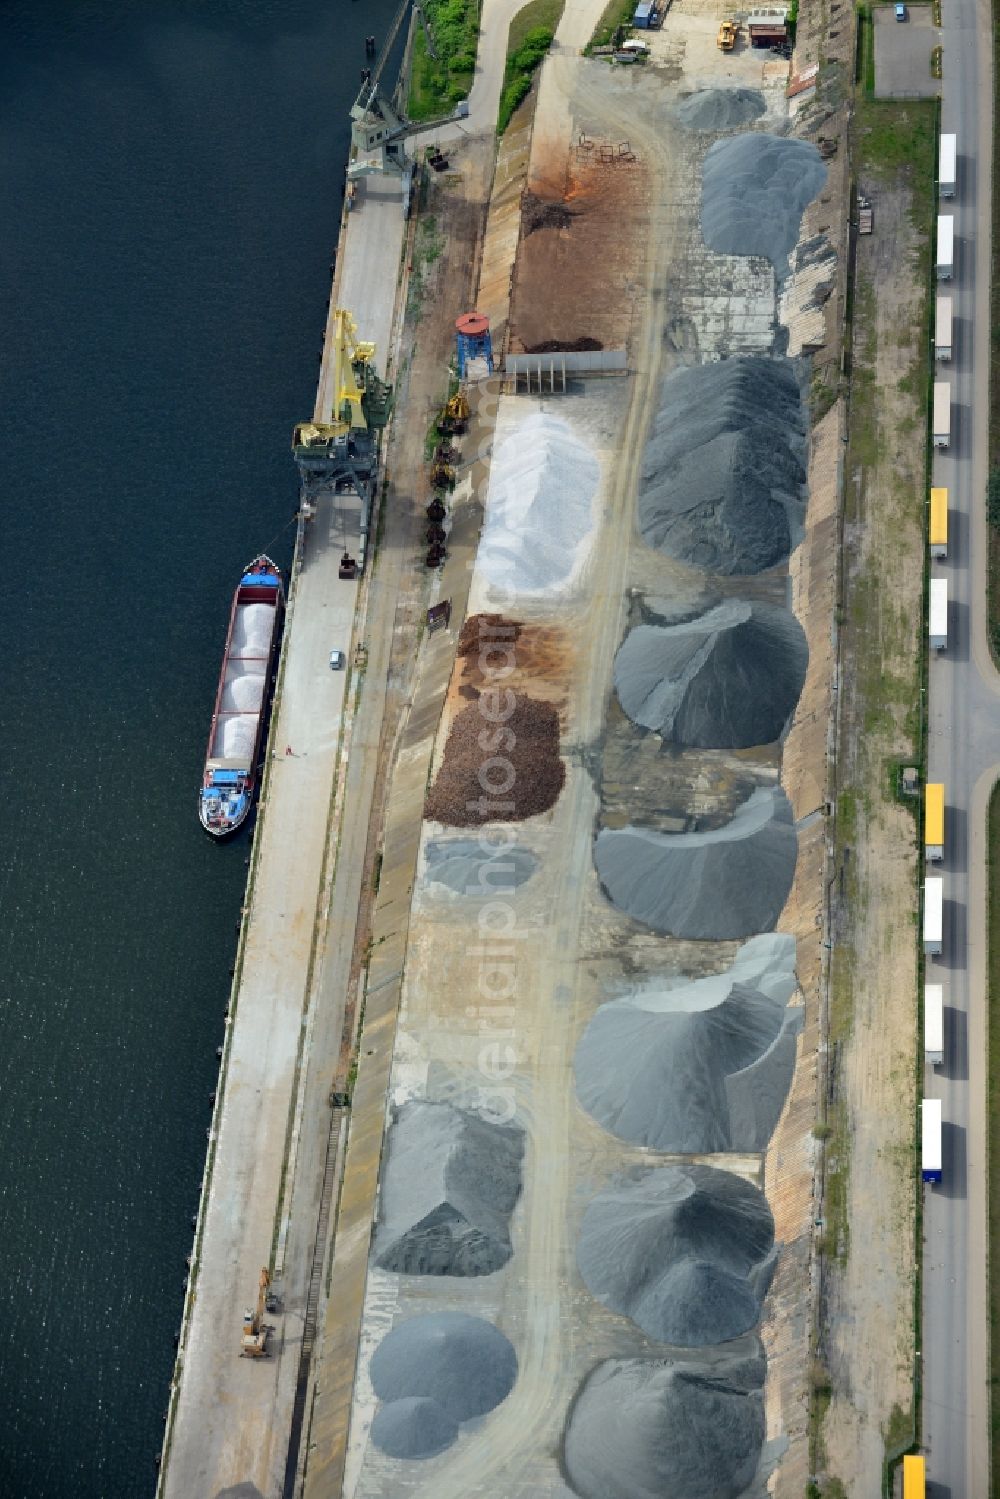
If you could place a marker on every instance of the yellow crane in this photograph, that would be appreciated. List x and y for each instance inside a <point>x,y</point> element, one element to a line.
<point>255,1330</point>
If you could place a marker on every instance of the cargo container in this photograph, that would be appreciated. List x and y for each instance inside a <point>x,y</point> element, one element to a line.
<point>948,166</point>
<point>945,261</point>
<point>938,623</point>
<point>933,915</point>
<point>934,821</point>
<point>942,328</point>
<point>930,1140</point>
<point>942,414</point>
<point>937,524</point>
<point>934,1024</point>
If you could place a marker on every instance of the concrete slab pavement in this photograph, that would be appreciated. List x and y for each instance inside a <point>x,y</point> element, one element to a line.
<point>903,53</point>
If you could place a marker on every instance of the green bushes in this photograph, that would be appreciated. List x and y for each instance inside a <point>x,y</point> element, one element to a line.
<point>437,85</point>
<point>520,70</point>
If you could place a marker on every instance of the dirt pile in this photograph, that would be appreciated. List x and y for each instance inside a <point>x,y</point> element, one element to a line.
<point>730,882</point>
<point>481,630</point>
<point>642,1428</point>
<point>566,346</point>
<point>754,190</point>
<point>718,109</point>
<point>475,866</point>
<point>448,1188</point>
<point>539,508</point>
<point>695,1066</point>
<point>543,213</point>
<point>477,785</point>
<point>431,1374</point>
<point>728,679</point>
<point>722,484</point>
<point>687,1253</point>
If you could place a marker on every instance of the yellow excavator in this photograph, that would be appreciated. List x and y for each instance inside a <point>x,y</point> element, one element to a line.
<point>255,1330</point>
<point>728,33</point>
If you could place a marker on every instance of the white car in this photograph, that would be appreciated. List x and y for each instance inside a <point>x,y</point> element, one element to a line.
<point>337,660</point>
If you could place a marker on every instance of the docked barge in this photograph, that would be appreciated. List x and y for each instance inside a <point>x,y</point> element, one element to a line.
<point>239,722</point>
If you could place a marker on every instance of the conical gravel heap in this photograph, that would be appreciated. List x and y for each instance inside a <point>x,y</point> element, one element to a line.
<point>433,1372</point>
<point>695,1066</point>
<point>722,485</point>
<point>690,1428</point>
<point>449,1185</point>
<point>718,109</point>
<point>731,882</point>
<point>728,679</point>
<point>754,190</point>
<point>686,1252</point>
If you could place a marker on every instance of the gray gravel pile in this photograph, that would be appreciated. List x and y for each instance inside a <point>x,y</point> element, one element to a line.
<point>692,1428</point>
<point>687,1253</point>
<point>695,1066</point>
<point>723,477</point>
<point>718,109</point>
<point>731,882</point>
<point>754,190</point>
<point>431,1374</point>
<point>727,680</point>
<point>449,1184</point>
<point>473,866</point>
<point>539,511</point>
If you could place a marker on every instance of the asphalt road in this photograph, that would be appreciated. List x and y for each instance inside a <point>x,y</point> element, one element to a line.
<point>964,753</point>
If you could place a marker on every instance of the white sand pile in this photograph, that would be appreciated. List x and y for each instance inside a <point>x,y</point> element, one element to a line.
<point>449,1185</point>
<point>687,1252</point>
<point>754,190</point>
<point>433,1372</point>
<point>252,630</point>
<point>689,1428</point>
<point>719,109</point>
<point>722,485</point>
<point>474,866</point>
<point>731,882</point>
<point>539,510</point>
<point>695,1066</point>
<point>729,679</point>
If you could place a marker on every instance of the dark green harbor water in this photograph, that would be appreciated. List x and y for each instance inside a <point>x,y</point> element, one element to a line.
<point>170,185</point>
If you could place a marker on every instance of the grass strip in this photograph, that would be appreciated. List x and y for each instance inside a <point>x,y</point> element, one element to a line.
<point>530,38</point>
<point>438,83</point>
<point>617,15</point>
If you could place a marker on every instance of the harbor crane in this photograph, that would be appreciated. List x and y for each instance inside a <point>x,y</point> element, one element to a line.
<point>338,449</point>
<point>255,1329</point>
<point>379,127</point>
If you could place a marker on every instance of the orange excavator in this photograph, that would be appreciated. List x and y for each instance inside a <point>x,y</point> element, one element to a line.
<point>255,1330</point>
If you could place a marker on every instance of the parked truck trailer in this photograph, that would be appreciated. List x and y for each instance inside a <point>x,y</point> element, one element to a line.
<point>945,260</point>
<point>942,414</point>
<point>937,524</point>
<point>938,620</point>
<point>943,321</point>
<point>934,821</point>
<point>933,915</point>
<point>948,166</point>
<point>930,1140</point>
<point>934,1024</point>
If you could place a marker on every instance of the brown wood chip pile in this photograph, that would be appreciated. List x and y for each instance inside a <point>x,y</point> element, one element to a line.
<point>498,771</point>
<point>480,629</point>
